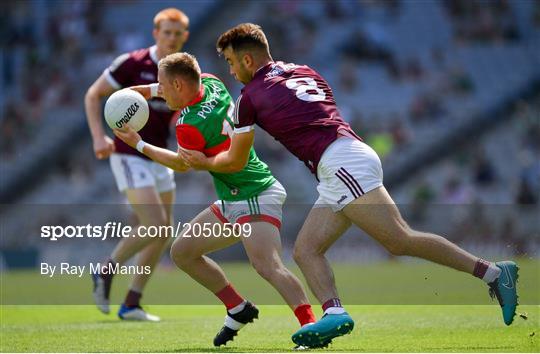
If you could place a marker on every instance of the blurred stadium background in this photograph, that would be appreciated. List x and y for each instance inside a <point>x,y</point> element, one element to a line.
<point>447,92</point>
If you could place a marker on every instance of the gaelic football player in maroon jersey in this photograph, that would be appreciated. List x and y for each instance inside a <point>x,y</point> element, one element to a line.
<point>296,106</point>
<point>148,186</point>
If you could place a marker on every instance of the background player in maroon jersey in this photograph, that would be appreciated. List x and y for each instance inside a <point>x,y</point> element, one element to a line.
<point>149,187</point>
<point>295,105</point>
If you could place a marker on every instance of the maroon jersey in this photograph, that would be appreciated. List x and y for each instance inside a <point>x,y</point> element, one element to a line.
<point>140,68</point>
<point>296,106</point>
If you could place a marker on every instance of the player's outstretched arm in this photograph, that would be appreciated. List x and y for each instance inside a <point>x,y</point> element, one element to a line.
<point>163,156</point>
<point>148,91</point>
<point>103,145</point>
<point>230,161</point>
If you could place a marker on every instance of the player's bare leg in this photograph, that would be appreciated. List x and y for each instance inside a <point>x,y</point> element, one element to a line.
<point>189,255</point>
<point>149,256</point>
<point>263,248</point>
<point>147,206</point>
<point>376,214</point>
<point>320,230</point>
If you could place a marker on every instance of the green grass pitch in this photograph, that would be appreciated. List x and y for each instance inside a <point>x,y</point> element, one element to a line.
<point>415,321</point>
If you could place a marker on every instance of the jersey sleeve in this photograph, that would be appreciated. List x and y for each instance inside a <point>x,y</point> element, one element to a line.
<point>208,75</point>
<point>244,115</point>
<point>189,137</point>
<point>119,72</point>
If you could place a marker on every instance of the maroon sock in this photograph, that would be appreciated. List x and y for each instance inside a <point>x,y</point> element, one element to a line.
<point>334,302</point>
<point>132,298</point>
<point>480,268</point>
<point>229,297</point>
<point>107,276</point>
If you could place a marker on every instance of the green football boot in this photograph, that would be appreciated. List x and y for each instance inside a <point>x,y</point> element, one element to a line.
<point>320,333</point>
<point>504,289</point>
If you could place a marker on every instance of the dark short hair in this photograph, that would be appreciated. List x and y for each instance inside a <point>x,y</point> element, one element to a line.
<point>245,36</point>
<point>181,64</point>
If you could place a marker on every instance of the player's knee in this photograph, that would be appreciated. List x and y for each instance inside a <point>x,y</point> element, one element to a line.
<point>396,249</point>
<point>303,253</point>
<point>159,223</point>
<point>153,216</point>
<point>173,252</point>
<point>394,237</point>
<point>161,239</point>
<point>400,245</point>
<point>300,254</point>
<point>267,270</point>
<point>179,255</point>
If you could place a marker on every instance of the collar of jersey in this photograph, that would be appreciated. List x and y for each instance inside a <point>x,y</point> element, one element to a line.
<point>197,98</point>
<point>153,54</point>
<point>263,69</point>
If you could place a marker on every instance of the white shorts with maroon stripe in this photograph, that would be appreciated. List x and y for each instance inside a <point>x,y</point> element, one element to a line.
<point>347,170</point>
<point>133,172</point>
<point>267,206</point>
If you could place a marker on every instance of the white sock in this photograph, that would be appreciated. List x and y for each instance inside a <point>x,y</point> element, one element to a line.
<point>237,308</point>
<point>137,289</point>
<point>232,323</point>
<point>492,273</point>
<point>334,311</point>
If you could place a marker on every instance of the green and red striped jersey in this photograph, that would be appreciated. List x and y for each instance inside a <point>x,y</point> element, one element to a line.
<point>206,125</point>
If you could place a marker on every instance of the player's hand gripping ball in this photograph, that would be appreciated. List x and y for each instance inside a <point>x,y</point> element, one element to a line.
<point>126,107</point>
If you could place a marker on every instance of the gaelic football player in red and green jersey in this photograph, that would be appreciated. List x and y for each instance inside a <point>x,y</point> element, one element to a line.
<point>249,195</point>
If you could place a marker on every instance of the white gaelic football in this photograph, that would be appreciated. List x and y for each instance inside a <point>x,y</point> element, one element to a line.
<point>126,107</point>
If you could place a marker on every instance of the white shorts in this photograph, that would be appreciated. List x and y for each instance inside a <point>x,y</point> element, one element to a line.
<point>133,172</point>
<point>347,170</point>
<point>266,206</point>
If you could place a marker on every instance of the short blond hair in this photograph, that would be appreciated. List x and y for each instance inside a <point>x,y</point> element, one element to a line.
<point>171,14</point>
<point>181,64</point>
